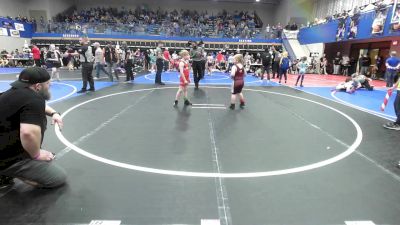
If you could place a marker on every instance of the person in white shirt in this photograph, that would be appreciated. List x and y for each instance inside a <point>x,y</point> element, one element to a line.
<point>99,61</point>
<point>230,62</point>
<point>210,63</point>
<point>175,61</point>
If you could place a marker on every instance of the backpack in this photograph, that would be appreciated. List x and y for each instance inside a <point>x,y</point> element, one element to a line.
<point>285,63</point>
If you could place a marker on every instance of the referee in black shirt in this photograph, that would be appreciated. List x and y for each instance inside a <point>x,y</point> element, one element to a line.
<point>86,58</point>
<point>23,121</point>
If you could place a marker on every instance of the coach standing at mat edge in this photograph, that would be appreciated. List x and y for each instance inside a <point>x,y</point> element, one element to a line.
<point>23,122</point>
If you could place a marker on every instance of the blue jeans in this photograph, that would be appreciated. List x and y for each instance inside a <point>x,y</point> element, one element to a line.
<point>99,67</point>
<point>110,67</point>
<point>160,65</point>
<point>397,106</point>
<point>390,74</point>
<point>45,174</point>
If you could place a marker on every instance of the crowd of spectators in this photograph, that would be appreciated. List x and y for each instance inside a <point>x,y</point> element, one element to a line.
<point>20,19</point>
<point>378,5</point>
<point>15,58</point>
<point>239,24</point>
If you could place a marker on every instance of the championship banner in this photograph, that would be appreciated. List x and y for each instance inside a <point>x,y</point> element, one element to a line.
<point>6,24</point>
<point>3,32</point>
<point>353,31</point>
<point>14,33</point>
<point>19,26</point>
<point>379,21</point>
<point>395,21</point>
<point>341,29</point>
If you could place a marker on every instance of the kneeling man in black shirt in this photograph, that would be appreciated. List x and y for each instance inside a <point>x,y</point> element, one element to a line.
<point>23,121</point>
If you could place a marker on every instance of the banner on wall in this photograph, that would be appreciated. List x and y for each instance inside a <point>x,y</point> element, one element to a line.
<point>379,21</point>
<point>6,24</point>
<point>14,33</point>
<point>19,26</point>
<point>341,29</point>
<point>395,20</point>
<point>353,31</point>
<point>3,32</point>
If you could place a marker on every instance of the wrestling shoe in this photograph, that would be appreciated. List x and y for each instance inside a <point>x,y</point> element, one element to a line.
<point>392,126</point>
<point>187,102</point>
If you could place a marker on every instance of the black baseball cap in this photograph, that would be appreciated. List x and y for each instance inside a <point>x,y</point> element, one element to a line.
<point>31,75</point>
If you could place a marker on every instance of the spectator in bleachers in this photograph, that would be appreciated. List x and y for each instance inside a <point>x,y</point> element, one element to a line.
<point>183,22</point>
<point>279,30</point>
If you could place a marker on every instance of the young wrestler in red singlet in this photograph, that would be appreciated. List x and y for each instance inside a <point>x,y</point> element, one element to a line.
<point>184,79</point>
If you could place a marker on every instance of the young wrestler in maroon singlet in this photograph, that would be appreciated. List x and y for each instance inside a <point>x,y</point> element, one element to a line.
<point>237,75</point>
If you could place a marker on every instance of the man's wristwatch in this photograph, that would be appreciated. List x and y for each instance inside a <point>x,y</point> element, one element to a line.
<point>52,114</point>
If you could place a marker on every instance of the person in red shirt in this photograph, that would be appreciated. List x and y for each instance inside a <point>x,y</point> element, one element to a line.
<point>220,57</point>
<point>237,75</point>
<point>36,55</point>
<point>184,78</point>
<point>167,59</point>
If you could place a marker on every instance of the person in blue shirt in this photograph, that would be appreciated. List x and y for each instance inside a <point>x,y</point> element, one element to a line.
<point>303,66</point>
<point>284,65</point>
<point>392,67</point>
